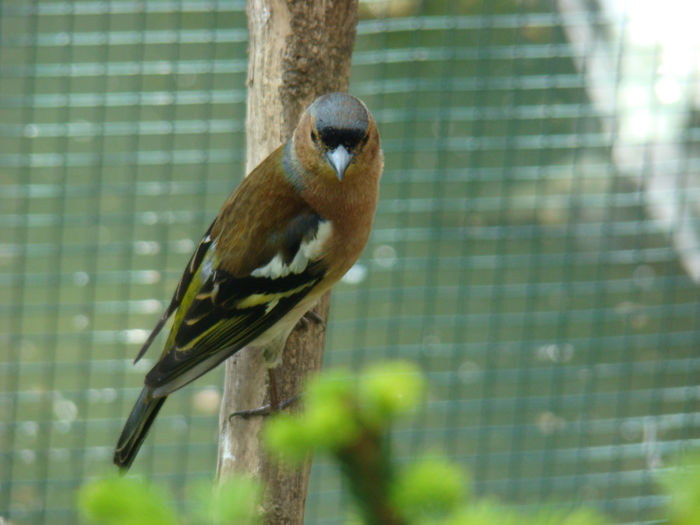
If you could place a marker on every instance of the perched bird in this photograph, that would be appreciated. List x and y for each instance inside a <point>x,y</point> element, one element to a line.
<point>291,230</point>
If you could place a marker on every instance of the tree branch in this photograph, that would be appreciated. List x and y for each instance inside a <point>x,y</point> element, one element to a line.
<point>298,51</point>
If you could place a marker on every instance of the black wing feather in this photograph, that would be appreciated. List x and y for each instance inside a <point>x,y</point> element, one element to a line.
<point>216,325</point>
<point>190,270</point>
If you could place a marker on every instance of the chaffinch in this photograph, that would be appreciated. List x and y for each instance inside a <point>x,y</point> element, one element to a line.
<point>289,232</point>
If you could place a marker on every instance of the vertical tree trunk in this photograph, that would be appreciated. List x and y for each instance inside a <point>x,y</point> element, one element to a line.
<point>299,49</point>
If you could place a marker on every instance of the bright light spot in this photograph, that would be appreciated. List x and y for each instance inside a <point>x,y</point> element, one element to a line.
<point>30,428</point>
<point>81,131</point>
<point>180,423</point>
<point>626,308</point>
<point>59,454</point>
<point>98,453</point>
<point>81,278</point>
<point>184,246</point>
<point>149,217</point>
<point>356,274</point>
<point>633,98</point>
<point>62,39</point>
<point>163,99</point>
<point>549,422</point>
<point>31,131</point>
<point>135,335</point>
<point>109,395</point>
<point>667,90</point>
<point>385,256</point>
<point>65,410</point>
<point>80,321</point>
<point>469,372</point>
<point>27,456</point>
<point>93,395</point>
<point>556,353</point>
<point>207,400</point>
<point>143,365</point>
<point>146,247</point>
<point>149,277</point>
<point>637,126</point>
<point>149,306</point>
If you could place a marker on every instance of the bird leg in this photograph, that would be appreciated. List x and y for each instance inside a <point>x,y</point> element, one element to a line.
<point>312,317</point>
<point>272,388</point>
<point>274,405</point>
<point>265,410</point>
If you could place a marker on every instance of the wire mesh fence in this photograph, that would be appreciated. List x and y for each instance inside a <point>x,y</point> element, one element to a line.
<point>535,248</point>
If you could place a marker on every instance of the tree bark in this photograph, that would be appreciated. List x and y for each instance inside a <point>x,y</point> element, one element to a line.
<point>299,49</point>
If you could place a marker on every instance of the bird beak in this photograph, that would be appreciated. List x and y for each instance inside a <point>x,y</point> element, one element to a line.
<point>339,159</point>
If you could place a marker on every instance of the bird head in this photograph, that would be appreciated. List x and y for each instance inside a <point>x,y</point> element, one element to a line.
<point>332,134</point>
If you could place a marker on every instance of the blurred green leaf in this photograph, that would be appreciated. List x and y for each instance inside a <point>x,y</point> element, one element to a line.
<point>484,513</point>
<point>235,500</point>
<point>488,512</point>
<point>682,483</point>
<point>330,418</point>
<point>429,488</point>
<point>389,388</point>
<point>336,385</point>
<point>579,516</point>
<point>125,501</point>
<point>286,436</point>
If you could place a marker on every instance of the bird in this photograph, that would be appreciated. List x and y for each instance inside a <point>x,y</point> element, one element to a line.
<point>290,230</point>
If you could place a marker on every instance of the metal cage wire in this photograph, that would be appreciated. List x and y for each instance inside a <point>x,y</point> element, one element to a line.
<point>535,248</point>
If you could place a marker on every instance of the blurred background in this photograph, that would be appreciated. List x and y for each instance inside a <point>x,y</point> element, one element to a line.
<point>535,250</point>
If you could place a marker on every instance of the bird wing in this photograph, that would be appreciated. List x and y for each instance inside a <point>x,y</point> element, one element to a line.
<point>185,280</point>
<point>219,312</point>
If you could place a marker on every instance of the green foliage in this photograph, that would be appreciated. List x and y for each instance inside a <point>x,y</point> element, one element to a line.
<point>338,410</point>
<point>484,513</point>
<point>389,389</point>
<point>235,500</point>
<point>126,501</point>
<point>327,423</point>
<point>131,501</point>
<point>575,517</point>
<point>428,489</point>
<point>348,418</point>
<point>492,512</point>
<point>683,484</point>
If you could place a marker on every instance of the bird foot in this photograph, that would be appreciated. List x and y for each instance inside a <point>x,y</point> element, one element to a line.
<point>265,410</point>
<point>312,317</point>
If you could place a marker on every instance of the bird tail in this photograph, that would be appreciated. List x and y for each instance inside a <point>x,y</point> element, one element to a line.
<point>136,428</point>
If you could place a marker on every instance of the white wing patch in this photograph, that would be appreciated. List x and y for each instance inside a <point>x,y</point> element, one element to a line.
<point>207,264</point>
<point>308,251</point>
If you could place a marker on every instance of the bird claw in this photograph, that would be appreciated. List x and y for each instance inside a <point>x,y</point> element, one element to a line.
<point>265,410</point>
<point>312,317</point>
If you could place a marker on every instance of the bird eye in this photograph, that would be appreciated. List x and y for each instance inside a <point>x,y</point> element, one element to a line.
<point>314,136</point>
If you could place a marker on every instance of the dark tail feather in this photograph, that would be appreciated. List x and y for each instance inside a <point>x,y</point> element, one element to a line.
<point>142,415</point>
